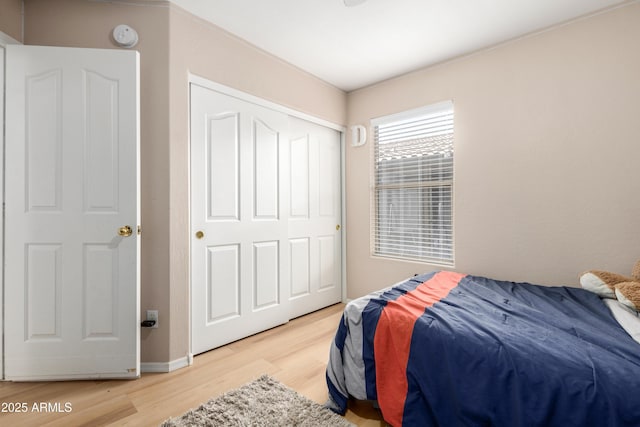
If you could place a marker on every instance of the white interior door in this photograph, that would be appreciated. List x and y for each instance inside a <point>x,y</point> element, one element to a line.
<point>71,270</point>
<point>239,251</point>
<point>315,233</point>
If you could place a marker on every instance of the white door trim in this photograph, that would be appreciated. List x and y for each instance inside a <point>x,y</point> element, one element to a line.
<point>343,219</point>
<point>5,40</point>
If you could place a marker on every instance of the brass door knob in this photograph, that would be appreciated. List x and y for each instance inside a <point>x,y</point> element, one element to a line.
<point>338,227</point>
<point>199,234</point>
<point>125,231</point>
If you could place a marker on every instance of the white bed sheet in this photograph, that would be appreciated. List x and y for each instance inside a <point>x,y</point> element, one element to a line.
<point>627,318</point>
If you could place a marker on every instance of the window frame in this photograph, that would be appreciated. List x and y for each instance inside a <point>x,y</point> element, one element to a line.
<point>442,253</point>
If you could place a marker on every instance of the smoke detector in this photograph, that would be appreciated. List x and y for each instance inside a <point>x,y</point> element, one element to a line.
<point>125,36</point>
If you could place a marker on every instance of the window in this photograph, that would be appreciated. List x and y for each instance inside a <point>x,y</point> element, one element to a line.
<point>413,185</point>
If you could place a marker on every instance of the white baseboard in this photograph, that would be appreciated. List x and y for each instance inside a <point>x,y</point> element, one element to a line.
<point>165,366</point>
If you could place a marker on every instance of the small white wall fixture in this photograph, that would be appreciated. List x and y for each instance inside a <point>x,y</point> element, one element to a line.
<point>358,135</point>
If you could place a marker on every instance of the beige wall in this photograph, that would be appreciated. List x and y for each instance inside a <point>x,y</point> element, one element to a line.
<point>547,140</point>
<point>171,44</point>
<point>11,18</point>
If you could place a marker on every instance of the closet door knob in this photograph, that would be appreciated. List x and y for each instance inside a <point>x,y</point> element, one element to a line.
<point>125,231</point>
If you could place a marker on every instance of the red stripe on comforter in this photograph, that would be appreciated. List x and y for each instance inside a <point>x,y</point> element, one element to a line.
<point>393,339</point>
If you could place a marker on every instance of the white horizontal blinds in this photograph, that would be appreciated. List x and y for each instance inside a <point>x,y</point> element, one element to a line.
<point>413,189</point>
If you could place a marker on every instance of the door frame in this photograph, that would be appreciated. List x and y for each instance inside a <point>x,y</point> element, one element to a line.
<point>244,96</point>
<point>5,40</point>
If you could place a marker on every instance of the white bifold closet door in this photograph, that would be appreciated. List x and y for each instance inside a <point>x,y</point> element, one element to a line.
<point>265,218</point>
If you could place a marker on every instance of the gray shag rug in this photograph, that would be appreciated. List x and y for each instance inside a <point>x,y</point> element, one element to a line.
<point>263,402</point>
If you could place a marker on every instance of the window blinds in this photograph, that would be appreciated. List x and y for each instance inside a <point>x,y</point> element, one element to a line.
<point>413,185</point>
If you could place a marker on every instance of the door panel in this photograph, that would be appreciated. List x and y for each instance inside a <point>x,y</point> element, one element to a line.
<point>327,263</point>
<point>102,144</point>
<point>300,177</point>
<point>300,251</point>
<point>266,171</point>
<point>43,104</point>
<point>42,288</point>
<point>223,283</point>
<point>266,280</point>
<point>223,166</point>
<point>315,218</point>
<point>239,281</point>
<point>72,282</point>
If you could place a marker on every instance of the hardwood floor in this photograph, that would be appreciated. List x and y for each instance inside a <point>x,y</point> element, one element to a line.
<point>295,354</point>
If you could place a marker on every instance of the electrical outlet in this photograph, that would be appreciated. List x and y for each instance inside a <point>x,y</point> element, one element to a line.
<point>153,315</point>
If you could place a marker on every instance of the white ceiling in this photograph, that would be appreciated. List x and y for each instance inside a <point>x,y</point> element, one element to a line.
<point>352,47</point>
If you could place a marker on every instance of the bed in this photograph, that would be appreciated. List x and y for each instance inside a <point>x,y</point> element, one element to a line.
<point>448,349</point>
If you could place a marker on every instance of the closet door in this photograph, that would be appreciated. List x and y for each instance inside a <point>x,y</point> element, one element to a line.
<point>315,231</point>
<point>239,190</point>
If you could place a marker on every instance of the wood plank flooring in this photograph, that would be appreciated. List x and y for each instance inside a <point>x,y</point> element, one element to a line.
<point>295,354</point>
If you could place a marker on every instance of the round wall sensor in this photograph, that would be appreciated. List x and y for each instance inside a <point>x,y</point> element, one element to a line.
<point>125,36</point>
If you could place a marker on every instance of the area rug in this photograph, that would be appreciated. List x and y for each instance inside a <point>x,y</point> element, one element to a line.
<point>263,402</point>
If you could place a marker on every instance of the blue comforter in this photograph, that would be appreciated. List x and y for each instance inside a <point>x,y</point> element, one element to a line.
<point>446,349</point>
